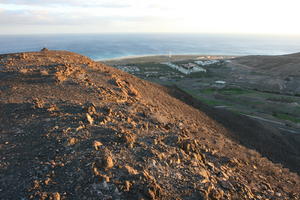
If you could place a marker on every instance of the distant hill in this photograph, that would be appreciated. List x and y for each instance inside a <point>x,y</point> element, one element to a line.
<point>72,128</point>
<point>293,55</point>
<point>274,73</point>
<point>281,66</point>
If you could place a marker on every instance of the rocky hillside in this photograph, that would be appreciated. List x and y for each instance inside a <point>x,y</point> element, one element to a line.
<point>75,129</point>
<point>272,73</point>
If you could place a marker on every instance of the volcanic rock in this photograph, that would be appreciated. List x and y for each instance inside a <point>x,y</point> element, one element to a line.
<point>85,130</point>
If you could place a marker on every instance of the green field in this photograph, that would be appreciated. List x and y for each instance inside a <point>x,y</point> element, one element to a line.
<point>287,116</point>
<point>226,91</point>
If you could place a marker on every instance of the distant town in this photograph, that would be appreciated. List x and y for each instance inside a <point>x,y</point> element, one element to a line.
<point>185,68</point>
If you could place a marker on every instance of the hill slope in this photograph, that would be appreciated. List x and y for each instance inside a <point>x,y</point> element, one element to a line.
<point>283,65</point>
<point>273,73</point>
<point>75,129</point>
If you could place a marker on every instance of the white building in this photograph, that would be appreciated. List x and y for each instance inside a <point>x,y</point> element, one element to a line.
<point>220,82</point>
<point>129,68</point>
<point>186,68</point>
<point>207,62</point>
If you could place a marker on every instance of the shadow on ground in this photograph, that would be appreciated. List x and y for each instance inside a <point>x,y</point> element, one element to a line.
<point>283,148</point>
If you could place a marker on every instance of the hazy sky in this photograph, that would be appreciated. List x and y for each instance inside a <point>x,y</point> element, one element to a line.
<point>106,16</point>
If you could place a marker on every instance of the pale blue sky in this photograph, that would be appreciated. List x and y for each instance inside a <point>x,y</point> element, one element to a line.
<point>177,16</point>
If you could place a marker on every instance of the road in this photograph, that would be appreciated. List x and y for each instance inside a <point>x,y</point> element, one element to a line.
<point>280,125</point>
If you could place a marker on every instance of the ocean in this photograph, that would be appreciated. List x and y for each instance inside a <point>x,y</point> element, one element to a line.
<point>107,46</point>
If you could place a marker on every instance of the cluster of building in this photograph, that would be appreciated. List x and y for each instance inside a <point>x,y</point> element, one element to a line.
<point>129,69</point>
<point>207,62</point>
<point>186,68</point>
<point>195,66</point>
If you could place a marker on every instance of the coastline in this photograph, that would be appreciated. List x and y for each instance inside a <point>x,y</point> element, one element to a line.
<point>161,58</point>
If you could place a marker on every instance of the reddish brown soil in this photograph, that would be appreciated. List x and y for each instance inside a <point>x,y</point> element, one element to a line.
<point>75,129</point>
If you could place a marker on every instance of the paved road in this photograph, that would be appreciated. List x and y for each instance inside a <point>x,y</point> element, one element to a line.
<point>279,125</point>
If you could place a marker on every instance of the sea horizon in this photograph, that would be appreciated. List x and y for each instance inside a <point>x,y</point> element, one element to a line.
<point>116,46</point>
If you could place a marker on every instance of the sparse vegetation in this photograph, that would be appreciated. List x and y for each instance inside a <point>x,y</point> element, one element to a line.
<point>208,91</point>
<point>234,91</point>
<point>206,74</point>
<point>281,99</point>
<point>286,116</point>
<point>207,101</point>
<point>226,91</point>
<point>210,102</point>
